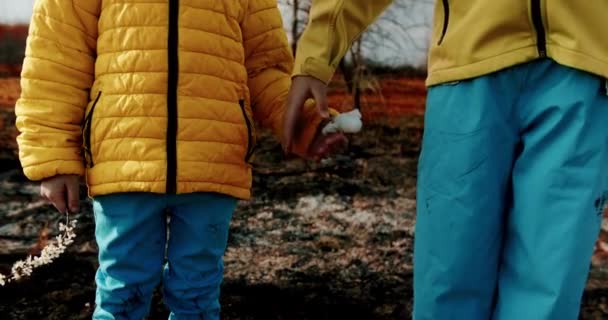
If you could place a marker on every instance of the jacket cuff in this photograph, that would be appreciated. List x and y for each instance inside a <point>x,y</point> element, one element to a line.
<point>315,68</point>
<point>50,169</point>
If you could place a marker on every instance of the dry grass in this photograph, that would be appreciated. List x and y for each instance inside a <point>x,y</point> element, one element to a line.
<point>9,91</point>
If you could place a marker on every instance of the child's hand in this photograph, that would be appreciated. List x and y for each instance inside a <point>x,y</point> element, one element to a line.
<point>63,191</point>
<point>325,145</point>
<point>302,88</point>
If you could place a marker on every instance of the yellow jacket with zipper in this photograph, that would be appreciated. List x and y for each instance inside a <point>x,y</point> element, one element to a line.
<point>157,96</point>
<point>470,38</point>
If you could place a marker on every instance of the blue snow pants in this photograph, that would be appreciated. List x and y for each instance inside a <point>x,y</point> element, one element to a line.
<point>131,234</point>
<point>513,179</point>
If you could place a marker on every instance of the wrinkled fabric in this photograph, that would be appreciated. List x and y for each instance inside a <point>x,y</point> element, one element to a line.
<point>131,235</point>
<point>511,170</point>
<point>95,93</point>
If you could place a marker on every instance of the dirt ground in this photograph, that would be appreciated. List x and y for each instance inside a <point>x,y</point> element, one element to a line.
<point>317,242</point>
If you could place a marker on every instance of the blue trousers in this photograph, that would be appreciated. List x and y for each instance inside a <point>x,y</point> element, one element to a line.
<point>131,234</point>
<point>513,178</point>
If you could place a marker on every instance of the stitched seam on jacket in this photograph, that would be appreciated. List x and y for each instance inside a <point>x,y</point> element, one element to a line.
<point>152,93</point>
<point>164,117</point>
<point>65,24</point>
<point>164,27</point>
<point>577,52</point>
<point>155,138</point>
<point>263,54</point>
<point>251,14</point>
<point>147,26</point>
<point>79,107</point>
<point>223,13</point>
<point>34,165</point>
<point>83,9</point>
<point>130,72</point>
<point>483,59</point>
<point>165,49</point>
<point>239,164</point>
<point>237,41</point>
<point>265,32</point>
<point>269,85</point>
<point>161,3</point>
<point>267,50</point>
<point>123,2</point>
<point>61,64</point>
<point>35,35</point>
<point>221,184</point>
<point>54,81</point>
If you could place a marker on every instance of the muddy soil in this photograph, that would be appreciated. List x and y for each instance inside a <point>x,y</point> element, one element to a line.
<point>330,241</point>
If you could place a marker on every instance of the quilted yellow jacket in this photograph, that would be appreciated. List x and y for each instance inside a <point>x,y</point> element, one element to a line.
<point>153,96</point>
<point>470,38</point>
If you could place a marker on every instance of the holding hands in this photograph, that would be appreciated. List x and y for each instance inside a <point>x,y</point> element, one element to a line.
<point>330,138</point>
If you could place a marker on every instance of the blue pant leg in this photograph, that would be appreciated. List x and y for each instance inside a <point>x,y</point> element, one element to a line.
<point>130,232</point>
<point>463,184</point>
<point>198,234</point>
<point>558,182</point>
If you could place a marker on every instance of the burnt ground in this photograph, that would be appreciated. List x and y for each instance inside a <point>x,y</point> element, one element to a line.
<point>329,241</point>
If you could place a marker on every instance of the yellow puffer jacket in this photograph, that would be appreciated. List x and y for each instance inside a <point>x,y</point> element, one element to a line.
<point>158,96</point>
<point>470,37</point>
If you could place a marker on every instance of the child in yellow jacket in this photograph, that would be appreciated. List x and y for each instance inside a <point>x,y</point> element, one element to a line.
<point>156,103</point>
<point>513,175</point>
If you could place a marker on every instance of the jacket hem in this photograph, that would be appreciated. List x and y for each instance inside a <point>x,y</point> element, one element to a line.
<point>159,187</point>
<point>563,56</point>
<point>578,60</point>
<point>483,67</point>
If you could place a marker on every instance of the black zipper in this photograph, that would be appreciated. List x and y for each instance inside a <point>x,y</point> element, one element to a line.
<point>541,36</point>
<point>87,133</point>
<point>446,20</point>
<point>172,82</point>
<point>249,131</point>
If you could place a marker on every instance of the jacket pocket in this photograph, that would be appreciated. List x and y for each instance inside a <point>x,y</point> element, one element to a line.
<point>446,21</point>
<point>86,134</point>
<point>250,131</point>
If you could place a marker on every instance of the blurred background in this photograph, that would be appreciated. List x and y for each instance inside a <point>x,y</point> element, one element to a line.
<point>330,241</point>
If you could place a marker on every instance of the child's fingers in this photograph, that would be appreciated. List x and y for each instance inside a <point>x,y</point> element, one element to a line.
<point>301,89</point>
<point>57,199</point>
<point>73,196</point>
<point>62,192</point>
<point>320,96</point>
<point>292,114</point>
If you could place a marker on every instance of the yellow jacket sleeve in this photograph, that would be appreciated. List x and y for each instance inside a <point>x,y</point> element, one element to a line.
<point>58,72</point>
<point>333,26</point>
<point>269,63</point>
